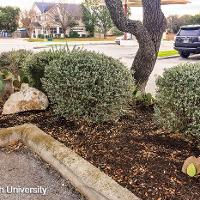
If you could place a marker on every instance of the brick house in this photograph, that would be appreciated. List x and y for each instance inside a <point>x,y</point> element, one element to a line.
<point>42,22</point>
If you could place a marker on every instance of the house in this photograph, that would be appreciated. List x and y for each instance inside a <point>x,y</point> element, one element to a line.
<point>56,19</point>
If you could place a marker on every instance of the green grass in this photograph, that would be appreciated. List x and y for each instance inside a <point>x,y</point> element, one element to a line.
<point>110,38</point>
<point>167,53</point>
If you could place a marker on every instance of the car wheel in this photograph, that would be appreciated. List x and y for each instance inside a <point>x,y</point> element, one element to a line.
<point>184,54</point>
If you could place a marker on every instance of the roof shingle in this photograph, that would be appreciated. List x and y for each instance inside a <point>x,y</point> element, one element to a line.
<point>74,9</point>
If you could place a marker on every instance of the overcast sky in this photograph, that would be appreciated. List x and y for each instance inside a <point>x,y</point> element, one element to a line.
<point>192,8</point>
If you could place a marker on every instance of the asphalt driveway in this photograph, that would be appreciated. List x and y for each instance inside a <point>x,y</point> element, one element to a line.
<point>25,177</point>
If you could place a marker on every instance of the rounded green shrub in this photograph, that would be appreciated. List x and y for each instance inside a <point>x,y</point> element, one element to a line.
<point>13,60</point>
<point>178,99</point>
<point>89,86</point>
<point>34,66</point>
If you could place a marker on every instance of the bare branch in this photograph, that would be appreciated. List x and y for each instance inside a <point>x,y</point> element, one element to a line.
<point>59,16</point>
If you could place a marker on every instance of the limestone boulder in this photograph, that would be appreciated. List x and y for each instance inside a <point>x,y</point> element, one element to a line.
<point>27,99</point>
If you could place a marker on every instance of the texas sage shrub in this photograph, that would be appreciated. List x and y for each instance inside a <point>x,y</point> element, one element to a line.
<point>34,66</point>
<point>178,99</point>
<point>13,60</point>
<point>88,86</point>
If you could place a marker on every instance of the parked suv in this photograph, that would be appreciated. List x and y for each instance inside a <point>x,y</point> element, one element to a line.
<point>188,40</point>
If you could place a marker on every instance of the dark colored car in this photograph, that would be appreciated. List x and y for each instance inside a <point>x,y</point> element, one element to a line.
<point>188,40</point>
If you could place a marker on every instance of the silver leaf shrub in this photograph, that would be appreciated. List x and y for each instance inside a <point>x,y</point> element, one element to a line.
<point>178,99</point>
<point>89,86</point>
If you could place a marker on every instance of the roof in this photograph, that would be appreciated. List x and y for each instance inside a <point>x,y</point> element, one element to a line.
<point>74,9</point>
<point>44,6</point>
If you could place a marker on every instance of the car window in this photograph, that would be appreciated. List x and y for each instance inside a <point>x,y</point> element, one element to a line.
<point>191,32</point>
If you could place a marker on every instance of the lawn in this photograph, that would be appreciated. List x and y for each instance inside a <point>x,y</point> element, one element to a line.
<point>167,53</point>
<point>111,38</point>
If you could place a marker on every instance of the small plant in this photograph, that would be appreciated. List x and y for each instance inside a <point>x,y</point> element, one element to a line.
<point>145,99</point>
<point>6,85</point>
<point>178,99</point>
<point>2,85</point>
<point>90,86</point>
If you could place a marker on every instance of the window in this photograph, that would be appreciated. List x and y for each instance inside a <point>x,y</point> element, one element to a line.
<point>61,30</point>
<point>53,30</point>
<point>189,32</point>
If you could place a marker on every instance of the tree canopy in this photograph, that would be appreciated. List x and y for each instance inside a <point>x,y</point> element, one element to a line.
<point>96,16</point>
<point>174,22</point>
<point>9,17</point>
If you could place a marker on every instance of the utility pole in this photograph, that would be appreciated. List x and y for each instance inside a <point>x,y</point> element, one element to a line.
<point>42,19</point>
<point>126,13</point>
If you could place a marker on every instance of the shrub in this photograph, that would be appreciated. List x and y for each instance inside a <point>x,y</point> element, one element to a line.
<point>178,99</point>
<point>116,31</point>
<point>2,85</point>
<point>74,34</point>
<point>34,66</point>
<point>41,36</point>
<point>90,86</point>
<point>13,60</point>
<point>144,99</point>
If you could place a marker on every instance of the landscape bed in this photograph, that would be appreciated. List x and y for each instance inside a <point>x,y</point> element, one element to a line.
<point>133,151</point>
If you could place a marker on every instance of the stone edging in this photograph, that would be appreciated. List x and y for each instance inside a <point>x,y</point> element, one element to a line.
<point>86,178</point>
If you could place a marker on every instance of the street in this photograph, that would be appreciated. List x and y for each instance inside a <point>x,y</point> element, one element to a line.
<point>124,53</point>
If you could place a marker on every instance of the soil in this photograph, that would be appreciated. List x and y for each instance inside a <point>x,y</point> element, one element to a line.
<point>133,151</point>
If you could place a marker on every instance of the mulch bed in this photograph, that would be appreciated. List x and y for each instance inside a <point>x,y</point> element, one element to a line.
<point>133,151</point>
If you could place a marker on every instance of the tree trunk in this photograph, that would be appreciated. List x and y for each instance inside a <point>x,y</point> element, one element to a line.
<point>148,34</point>
<point>143,66</point>
<point>64,30</point>
<point>105,33</point>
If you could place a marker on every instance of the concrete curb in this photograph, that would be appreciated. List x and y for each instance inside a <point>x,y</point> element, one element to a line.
<point>89,181</point>
<point>168,57</point>
<point>80,44</point>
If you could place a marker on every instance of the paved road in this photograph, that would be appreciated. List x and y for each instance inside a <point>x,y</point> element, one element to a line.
<point>127,53</point>
<point>22,170</point>
<point>124,53</point>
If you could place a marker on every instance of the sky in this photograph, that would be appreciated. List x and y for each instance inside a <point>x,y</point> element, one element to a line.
<point>192,8</point>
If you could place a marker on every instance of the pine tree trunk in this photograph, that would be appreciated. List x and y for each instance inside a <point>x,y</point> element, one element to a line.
<point>148,34</point>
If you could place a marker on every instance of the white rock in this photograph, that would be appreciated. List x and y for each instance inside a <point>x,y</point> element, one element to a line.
<point>26,99</point>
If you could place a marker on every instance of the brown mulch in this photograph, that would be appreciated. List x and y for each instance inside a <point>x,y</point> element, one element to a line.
<point>133,151</point>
